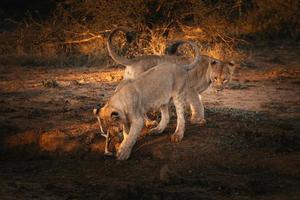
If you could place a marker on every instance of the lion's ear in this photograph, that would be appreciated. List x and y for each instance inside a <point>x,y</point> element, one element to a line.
<point>115,116</point>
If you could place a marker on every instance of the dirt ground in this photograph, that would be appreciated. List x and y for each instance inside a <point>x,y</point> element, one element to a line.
<point>250,148</point>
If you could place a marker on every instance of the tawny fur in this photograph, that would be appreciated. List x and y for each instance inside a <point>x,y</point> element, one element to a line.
<point>131,102</point>
<point>208,71</point>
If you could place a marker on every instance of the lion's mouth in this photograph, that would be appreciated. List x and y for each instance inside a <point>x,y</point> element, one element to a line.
<point>113,138</point>
<point>112,143</point>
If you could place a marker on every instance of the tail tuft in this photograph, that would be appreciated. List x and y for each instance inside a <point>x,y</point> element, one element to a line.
<point>173,47</point>
<point>130,36</point>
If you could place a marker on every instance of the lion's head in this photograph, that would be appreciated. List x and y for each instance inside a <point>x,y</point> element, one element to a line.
<point>221,73</point>
<point>111,123</point>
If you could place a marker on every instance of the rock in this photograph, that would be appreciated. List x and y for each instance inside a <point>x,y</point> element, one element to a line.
<point>165,174</point>
<point>50,84</point>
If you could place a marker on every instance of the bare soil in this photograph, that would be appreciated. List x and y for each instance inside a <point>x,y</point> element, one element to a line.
<point>250,148</point>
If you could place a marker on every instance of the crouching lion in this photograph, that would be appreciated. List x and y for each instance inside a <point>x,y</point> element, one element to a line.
<point>125,110</point>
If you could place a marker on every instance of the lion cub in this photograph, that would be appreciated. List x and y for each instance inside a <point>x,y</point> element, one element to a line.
<point>126,109</point>
<point>209,71</point>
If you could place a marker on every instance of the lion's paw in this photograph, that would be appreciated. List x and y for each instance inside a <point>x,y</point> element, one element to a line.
<point>176,137</point>
<point>123,154</point>
<point>201,122</point>
<point>108,153</point>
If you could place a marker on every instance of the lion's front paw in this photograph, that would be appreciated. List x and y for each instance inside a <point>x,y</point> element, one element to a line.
<point>201,122</point>
<point>123,154</point>
<point>108,153</point>
<point>176,137</point>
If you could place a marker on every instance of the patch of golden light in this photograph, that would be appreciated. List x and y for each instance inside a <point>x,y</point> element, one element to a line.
<point>25,138</point>
<point>57,141</point>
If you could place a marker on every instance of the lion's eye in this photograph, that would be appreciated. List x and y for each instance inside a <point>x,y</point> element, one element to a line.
<point>225,80</point>
<point>216,78</point>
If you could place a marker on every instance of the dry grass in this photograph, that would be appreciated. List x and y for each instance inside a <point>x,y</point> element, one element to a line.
<point>76,32</point>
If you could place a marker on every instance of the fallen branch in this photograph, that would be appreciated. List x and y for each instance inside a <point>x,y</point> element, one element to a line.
<point>87,39</point>
<point>83,40</point>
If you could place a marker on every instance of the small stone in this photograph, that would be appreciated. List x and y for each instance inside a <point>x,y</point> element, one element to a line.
<point>75,82</point>
<point>110,78</point>
<point>50,83</point>
<point>165,174</point>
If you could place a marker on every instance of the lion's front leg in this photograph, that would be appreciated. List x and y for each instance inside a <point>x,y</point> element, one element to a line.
<point>197,108</point>
<point>125,148</point>
<point>179,132</point>
<point>202,120</point>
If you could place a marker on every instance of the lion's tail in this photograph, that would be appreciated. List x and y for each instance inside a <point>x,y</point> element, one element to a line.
<point>172,49</point>
<point>129,36</point>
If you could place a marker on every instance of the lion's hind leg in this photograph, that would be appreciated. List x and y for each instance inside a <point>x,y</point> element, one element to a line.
<point>165,118</point>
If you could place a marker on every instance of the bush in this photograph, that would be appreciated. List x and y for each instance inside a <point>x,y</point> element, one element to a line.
<point>75,32</point>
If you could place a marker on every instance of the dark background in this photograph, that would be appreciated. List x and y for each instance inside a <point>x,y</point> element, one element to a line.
<point>17,9</point>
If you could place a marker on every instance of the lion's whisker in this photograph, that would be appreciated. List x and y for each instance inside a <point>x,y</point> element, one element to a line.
<point>104,135</point>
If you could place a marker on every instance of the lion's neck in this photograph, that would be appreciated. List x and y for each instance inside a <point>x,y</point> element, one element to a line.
<point>203,71</point>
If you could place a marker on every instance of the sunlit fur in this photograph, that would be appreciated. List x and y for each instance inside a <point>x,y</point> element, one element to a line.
<point>140,64</point>
<point>127,107</point>
<point>222,74</point>
<point>111,128</point>
<point>137,65</point>
<point>200,78</point>
<point>208,72</point>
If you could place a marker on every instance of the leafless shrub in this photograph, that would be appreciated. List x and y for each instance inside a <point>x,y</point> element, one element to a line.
<point>271,19</point>
<point>76,32</point>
